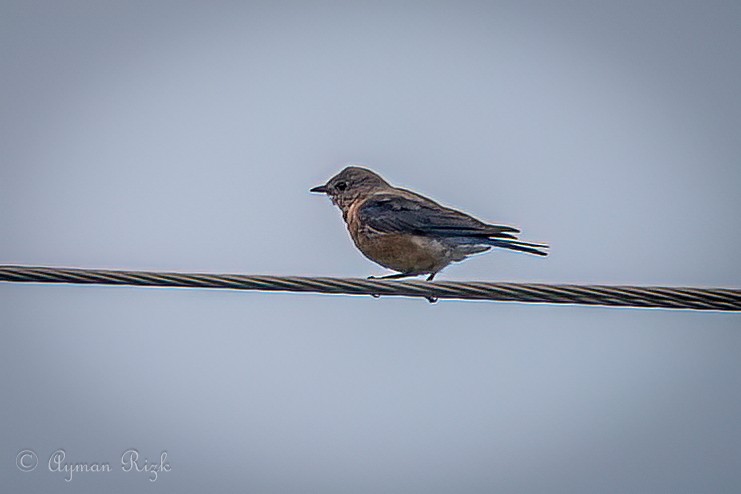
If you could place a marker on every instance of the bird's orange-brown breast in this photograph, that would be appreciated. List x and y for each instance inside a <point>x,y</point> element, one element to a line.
<point>402,252</point>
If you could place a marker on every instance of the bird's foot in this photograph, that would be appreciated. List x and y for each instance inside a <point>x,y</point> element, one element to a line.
<point>395,276</point>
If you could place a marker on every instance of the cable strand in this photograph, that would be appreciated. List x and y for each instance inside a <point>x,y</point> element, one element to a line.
<point>719,299</point>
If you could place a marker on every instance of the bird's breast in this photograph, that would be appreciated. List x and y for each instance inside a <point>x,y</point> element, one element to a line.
<point>402,252</point>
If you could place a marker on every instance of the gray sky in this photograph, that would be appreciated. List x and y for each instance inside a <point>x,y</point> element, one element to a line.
<point>185,136</point>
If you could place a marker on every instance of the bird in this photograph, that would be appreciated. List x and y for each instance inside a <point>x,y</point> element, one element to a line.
<point>409,233</point>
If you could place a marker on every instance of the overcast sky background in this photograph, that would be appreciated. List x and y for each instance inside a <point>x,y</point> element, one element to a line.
<point>185,136</point>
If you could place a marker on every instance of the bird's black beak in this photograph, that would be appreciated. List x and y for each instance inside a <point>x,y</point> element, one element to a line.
<point>322,189</point>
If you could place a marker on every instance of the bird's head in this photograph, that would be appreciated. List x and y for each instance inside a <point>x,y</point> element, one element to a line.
<point>351,184</point>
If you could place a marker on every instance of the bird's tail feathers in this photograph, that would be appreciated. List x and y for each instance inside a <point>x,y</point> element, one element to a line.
<point>530,248</point>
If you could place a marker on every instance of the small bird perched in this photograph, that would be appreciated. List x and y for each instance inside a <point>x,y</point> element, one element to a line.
<point>409,233</point>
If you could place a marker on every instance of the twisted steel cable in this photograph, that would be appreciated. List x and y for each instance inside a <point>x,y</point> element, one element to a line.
<point>722,299</point>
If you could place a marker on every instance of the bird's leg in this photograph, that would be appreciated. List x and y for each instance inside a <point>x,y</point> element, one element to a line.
<point>394,276</point>
<point>397,276</point>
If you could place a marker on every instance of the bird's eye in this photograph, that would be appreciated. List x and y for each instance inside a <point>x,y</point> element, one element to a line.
<point>341,186</point>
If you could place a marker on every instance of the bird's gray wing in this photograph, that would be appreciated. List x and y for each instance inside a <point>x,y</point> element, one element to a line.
<point>397,213</point>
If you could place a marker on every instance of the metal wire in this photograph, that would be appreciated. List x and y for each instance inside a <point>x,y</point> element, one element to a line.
<point>722,299</point>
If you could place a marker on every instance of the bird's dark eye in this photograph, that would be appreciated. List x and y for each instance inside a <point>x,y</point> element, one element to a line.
<point>341,186</point>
